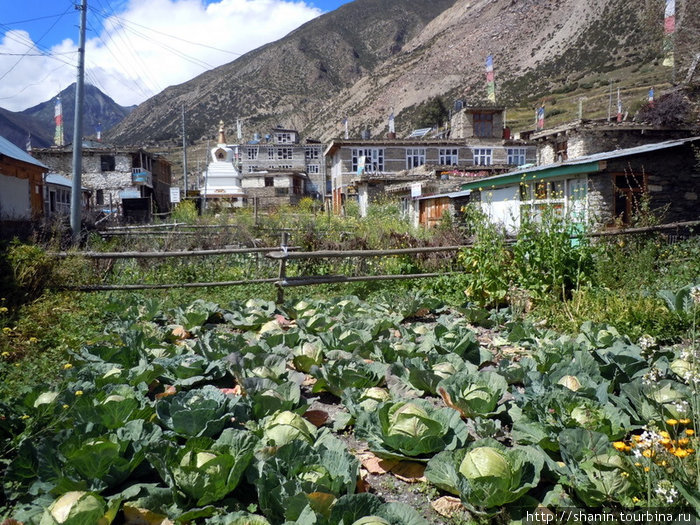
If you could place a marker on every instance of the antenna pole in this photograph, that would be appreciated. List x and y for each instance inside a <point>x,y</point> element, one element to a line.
<point>76,194</point>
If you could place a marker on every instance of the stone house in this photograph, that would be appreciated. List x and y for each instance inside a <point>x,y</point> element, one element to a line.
<point>282,155</point>
<point>114,173</point>
<point>362,169</point>
<point>603,189</point>
<point>275,186</point>
<point>586,137</point>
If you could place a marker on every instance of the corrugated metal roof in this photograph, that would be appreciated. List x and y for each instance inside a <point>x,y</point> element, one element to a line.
<point>451,195</point>
<point>60,180</point>
<point>10,150</point>
<point>606,155</point>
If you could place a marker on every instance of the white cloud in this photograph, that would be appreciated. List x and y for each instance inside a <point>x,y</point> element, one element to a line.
<point>149,46</point>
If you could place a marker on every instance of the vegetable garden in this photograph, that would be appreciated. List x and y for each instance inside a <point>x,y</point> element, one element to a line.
<point>542,375</point>
<point>206,414</point>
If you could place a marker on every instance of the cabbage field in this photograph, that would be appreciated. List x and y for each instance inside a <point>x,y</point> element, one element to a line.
<point>344,412</point>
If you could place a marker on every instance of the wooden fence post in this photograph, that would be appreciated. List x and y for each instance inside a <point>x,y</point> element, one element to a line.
<point>283,268</point>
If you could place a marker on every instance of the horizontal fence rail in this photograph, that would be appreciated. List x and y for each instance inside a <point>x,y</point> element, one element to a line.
<point>282,254</point>
<point>159,255</point>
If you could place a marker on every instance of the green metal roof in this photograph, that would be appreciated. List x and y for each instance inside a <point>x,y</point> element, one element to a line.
<point>578,166</point>
<point>521,176</point>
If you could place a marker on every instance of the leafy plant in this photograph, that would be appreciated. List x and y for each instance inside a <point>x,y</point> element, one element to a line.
<point>411,429</point>
<point>487,474</point>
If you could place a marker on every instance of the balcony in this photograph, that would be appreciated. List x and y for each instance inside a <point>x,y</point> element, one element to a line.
<point>141,177</point>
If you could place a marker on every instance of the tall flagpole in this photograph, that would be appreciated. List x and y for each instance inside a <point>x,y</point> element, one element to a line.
<point>76,194</point>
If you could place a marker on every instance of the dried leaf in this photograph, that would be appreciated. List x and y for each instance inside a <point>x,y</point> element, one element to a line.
<point>179,332</point>
<point>409,471</point>
<point>376,465</point>
<point>422,312</point>
<point>321,502</point>
<point>170,390</point>
<point>362,484</point>
<point>447,506</point>
<point>284,322</point>
<point>448,400</point>
<point>309,381</point>
<point>138,516</point>
<point>235,391</point>
<point>317,418</point>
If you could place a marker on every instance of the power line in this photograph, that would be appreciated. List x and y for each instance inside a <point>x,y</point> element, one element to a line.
<point>127,45</point>
<point>34,44</point>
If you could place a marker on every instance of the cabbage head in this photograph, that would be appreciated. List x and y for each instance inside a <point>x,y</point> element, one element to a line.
<point>487,475</point>
<point>75,508</point>
<point>410,429</point>
<point>284,427</point>
<point>473,393</point>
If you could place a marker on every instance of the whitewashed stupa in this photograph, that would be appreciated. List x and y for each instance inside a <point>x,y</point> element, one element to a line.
<point>222,180</point>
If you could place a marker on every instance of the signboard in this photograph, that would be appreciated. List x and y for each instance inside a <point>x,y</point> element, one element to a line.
<point>174,194</point>
<point>416,189</point>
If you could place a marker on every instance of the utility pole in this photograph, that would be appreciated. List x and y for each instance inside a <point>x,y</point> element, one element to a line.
<point>76,194</point>
<point>184,150</point>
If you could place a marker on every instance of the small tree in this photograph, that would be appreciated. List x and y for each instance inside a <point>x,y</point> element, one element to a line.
<point>432,113</point>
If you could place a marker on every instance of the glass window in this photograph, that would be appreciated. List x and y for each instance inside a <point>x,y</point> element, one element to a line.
<point>312,153</point>
<point>448,156</point>
<point>415,157</point>
<point>284,153</point>
<point>483,124</point>
<point>516,156</point>
<point>252,153</point>
<point>373,159</point>
<point>483,156</point>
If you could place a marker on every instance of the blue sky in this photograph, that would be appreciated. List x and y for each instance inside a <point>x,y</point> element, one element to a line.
<point>135,48</point>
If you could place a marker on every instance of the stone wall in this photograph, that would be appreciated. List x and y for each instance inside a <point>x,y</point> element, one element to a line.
<point>673,180</point>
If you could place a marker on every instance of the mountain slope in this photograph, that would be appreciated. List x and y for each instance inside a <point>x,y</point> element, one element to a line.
<point>285,81</point>
<point>373,56</point>
<point>39,119</point>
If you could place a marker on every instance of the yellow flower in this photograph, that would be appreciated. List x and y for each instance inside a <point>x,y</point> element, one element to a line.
<point>33,340</point>
<point>637,464</point>
<point>648,453</point>
<point>635,499</point>
<point>67,366</point>
<point>646,469</point>
<point>637,438</point>
<point>78,392</point>
<point>7,330</point>
<point>625,474</point>
<point>684,421</point>
<point>681,453</point>
<point>664,434</point>
<point>683,442</point>
<point>672,422</point>
<point>619,445</point>
<point>66,406</point>
<point>666,442</point>
<point>25,416</point>
<point>3,309</point>
<point>689,432</point>
<point>5,354</point>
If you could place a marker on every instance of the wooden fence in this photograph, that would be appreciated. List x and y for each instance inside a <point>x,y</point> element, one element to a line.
<point>285,253</point>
